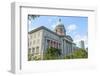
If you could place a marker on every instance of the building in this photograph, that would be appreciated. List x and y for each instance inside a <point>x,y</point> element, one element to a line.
<point>42,38</point>
<point>81,43</point>
<point>86,49</point>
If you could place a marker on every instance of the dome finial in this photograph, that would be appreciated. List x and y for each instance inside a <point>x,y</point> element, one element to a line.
<point>59,20</point>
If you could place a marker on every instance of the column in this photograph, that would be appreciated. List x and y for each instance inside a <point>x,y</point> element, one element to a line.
<point>57,44</point>
<point>52,43</point>
<point>49,43</point>
<point>45,44</point>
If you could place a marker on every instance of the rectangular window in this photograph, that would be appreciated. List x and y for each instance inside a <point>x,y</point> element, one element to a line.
<point>33,42</point>
<point>38,41</point>
<point>35,35</point>
<point>38,34</point>
<point>33,49</point>
<point>37,50</point>
<point>31,37</point>
<point>30,43</point>
<point>29,50</point>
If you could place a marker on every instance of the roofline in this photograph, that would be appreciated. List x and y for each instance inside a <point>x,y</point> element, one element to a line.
<point>45,28</point>
<point>40,28</point>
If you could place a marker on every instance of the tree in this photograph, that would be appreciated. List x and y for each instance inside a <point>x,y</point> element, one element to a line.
<point>80,53</point>
<point>52,53</point>
<point>29,57</point>
<point>32,17</point>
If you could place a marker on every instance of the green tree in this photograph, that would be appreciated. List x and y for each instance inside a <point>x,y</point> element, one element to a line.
<point>52,53</point>
<point>32,17</point>
<point>80,53</point>
<point>29,57</point>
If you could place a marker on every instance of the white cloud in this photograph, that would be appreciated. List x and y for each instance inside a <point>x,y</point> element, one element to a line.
<point>71,28</point>
<point>49,20</point>
<point>78,38</point>
<point>53,26</point>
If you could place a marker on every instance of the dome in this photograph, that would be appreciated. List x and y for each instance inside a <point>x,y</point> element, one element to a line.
<point>60,29</point>
<point>60,25</point>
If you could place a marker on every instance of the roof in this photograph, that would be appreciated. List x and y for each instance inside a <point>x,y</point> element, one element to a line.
<point>42,27</point>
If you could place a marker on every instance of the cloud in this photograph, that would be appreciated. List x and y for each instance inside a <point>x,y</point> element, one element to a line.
<point>49,20</point>
<point>71,28</point>
<point>78,38</point>
<point>53,26</point>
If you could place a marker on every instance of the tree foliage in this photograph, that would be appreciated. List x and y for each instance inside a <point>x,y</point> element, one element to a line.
<point>29,57</point>
<point>32,17</point>
<point>52,53</point>
<point>80,53</point>
<point>32,57</point>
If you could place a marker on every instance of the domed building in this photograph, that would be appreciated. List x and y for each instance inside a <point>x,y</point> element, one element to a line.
<point>42,38</point>
<point>60,29</point>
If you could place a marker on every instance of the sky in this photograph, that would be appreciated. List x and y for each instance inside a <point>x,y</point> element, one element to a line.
<point>76,26</point>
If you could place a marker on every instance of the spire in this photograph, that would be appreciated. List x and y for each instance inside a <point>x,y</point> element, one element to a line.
<point>59,20</point>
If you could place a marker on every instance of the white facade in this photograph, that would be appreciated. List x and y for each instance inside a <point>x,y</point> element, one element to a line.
<point>35,43</point>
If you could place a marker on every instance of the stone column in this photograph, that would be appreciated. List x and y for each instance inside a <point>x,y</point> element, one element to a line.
<point>49,43</point>
<point>45,44</point>
<point>57,44</point>
<point>54,44</point>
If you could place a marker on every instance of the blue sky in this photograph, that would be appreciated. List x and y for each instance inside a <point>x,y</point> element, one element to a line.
<point>76,27</point>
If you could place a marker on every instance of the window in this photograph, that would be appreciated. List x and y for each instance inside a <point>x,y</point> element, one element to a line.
<point>33,42</point>
<point>30,43</point>
<point>35,35</point>
<point>29,50</point>
<point>38,34</point>
<point>38,41</point>
<point>33,49</point>
<point>31,37</point>
<point>37,50</point>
